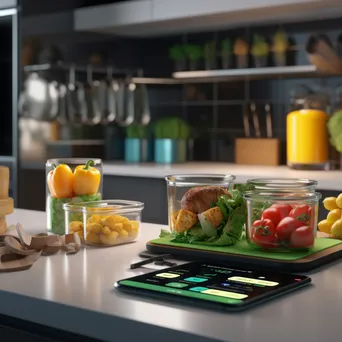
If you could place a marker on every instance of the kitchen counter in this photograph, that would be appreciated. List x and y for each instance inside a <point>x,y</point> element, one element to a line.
<point>75,294</point>
<point>327,180</point>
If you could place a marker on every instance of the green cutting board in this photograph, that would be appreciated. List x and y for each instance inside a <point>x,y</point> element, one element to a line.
<point>242,248</point>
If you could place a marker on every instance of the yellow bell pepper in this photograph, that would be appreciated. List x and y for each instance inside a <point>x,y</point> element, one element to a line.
<point>60,181</point>
<point>86,179</point>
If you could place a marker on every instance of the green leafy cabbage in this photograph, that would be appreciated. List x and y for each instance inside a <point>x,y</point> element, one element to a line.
<point>335,130</point>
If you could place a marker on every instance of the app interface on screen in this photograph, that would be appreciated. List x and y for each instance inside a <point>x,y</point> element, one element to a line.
<point>213,283</point>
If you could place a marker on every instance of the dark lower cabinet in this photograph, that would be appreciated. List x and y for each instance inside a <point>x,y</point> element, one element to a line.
<point>12,329</point>
<point>151,191</point>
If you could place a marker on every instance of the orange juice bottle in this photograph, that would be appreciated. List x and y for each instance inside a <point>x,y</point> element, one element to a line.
<point>307,139</point>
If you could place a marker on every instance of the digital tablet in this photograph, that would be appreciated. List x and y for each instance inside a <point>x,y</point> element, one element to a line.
<point>214,286</point>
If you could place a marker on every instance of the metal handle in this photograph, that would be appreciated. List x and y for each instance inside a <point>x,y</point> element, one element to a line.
<point>268,121</point>
<point>255,120</point>
<point>246,125</point>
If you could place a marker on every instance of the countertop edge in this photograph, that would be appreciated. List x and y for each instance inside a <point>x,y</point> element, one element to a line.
<point>61,317</point>
<point>327,180</point>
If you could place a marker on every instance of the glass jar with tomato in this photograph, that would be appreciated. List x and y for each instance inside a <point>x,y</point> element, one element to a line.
<point>287,184</point>
<point>281,220</point>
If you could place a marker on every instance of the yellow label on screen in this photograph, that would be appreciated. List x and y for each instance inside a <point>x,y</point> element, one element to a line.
<point>254,281</point>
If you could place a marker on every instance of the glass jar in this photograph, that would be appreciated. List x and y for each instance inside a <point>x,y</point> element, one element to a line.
<point>66,185</point>
<point>191,194</point>
<point>281,219</point>
<point>289,184</point>
<point>104,223</point>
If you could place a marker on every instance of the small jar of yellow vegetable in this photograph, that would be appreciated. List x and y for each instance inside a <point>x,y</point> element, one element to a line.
<point>104,223</point>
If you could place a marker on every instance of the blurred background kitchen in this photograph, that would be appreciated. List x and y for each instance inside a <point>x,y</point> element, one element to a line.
<point>183,85</point>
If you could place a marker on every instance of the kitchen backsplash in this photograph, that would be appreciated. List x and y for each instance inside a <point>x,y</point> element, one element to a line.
<point>214,110</point>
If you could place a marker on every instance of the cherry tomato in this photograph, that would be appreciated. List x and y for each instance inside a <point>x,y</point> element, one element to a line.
<point>302,237</point>
<point>302,213</point>
<point>263,233</point>
<point>272,214</point>
<point>263,227</point>
<point>269,241</point>
<point>284,209</point>
<point>286,227</point>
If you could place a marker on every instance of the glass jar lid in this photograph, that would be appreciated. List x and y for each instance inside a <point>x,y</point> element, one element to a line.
<point>284,196</point>
<point>200,179</point>
<point>283,183</point>
<point>94,207</point>
<point>72,161</point>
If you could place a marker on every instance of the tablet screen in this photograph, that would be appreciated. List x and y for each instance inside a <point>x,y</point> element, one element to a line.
<point>210,282</point>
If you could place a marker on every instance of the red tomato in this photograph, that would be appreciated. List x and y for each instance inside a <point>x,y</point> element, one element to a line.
<point>286,227</point>
<point>272,214</point>
<point>263,233</point>
<point>302,213</point>
<point>302,237</point>
<point>284,209</point>
<point>263,227</point>
<point>268,241</point>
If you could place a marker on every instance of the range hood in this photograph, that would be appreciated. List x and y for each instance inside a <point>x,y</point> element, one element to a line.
<point>163,17</point>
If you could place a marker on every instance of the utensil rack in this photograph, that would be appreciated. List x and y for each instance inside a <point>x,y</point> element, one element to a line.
<point>82,69</point>
<point>186,77</point>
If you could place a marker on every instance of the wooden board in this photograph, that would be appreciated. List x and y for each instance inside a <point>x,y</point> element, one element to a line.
<point>304,264</point>
<point>261,151</point>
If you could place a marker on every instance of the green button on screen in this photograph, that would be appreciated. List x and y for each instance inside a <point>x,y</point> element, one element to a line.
<point>195,280</point>
<point>198,289</point>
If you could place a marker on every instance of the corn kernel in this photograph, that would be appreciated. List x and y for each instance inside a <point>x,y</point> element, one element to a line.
<point>124,219</point>
<point>127,226</point>
<point>105,230</point>
<point>93,238</point>
<point>118,227</point>
<point>103,220</point>
<point>94,219</point>
<point>123,233</point>
<point>109,239</point>
<point>94,227</point>
<point>75,226</point>
<point>135,224</point>
<point>109,221</point>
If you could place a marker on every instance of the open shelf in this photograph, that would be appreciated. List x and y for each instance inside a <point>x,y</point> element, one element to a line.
<point>202,76</point>
<point>249,73</point>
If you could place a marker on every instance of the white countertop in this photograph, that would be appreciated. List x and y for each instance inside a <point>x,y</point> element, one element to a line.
<point>327,180</point>
<point>75,293</point>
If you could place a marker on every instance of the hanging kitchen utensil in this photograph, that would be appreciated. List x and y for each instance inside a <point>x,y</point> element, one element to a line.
<point>75,97</point>
<point>142,108</point>
<point>126,103</point>
<point>91,113</point>
<point>106,96</point>
<point>321,53</point>
<point>39,99</point>
<point>62,117</point>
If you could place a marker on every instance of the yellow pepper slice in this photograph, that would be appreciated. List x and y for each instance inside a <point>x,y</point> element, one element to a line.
<point>86,179</point>
<point>60,181</point>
